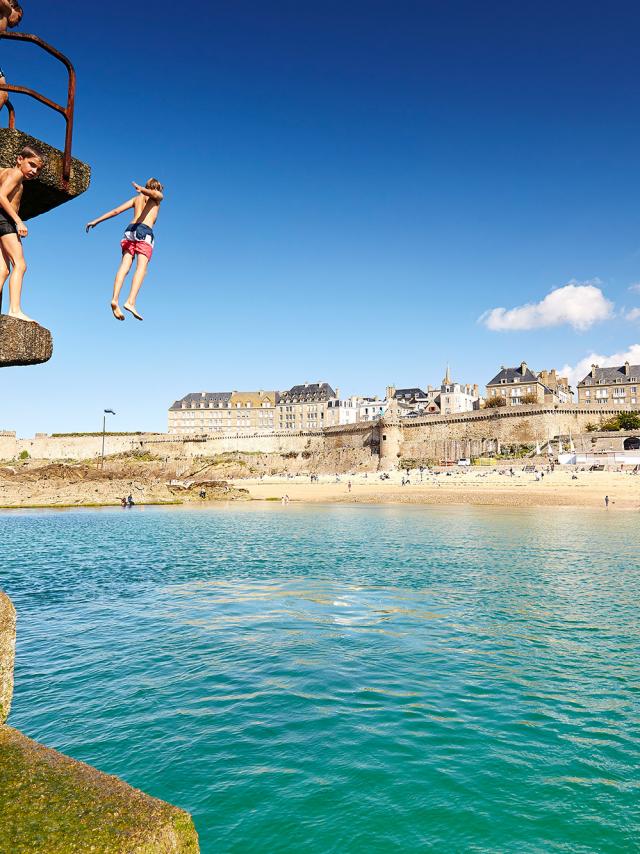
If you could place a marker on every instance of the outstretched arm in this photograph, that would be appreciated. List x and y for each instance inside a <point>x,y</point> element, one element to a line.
<point>115,212</point>
<point>150,194</point>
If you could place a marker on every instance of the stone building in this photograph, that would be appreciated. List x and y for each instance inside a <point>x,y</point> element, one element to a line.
<point>227,412</point>
<point>305,407</point>
<point>450,398</point>
<point>606,387</point>
<point>521,384</point>
<point>457,397</point>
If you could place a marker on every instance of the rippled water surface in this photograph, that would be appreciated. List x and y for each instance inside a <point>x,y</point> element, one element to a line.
<point>343,679</point>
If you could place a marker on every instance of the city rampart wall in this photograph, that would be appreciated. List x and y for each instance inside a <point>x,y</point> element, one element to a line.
<point>470,434</point>
<point>476,434</point>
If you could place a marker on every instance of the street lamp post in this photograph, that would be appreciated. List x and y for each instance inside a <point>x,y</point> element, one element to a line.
<point>104,429</point>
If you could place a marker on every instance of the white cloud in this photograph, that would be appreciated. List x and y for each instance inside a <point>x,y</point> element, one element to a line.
<point>633,314</point>
<point>579,372</point>
<point>635,287</point>
<point>578,304</point>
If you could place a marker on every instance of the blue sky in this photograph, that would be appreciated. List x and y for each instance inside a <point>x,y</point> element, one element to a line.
<point>349,187</point>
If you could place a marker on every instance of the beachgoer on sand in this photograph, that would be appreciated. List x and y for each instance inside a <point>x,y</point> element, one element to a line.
<point>10,17</point>
<point>138,241</point>
<point>28,165</point>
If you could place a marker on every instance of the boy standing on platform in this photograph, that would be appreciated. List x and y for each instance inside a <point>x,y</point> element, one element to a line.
<point>28,165</point>
<point>138,241</point>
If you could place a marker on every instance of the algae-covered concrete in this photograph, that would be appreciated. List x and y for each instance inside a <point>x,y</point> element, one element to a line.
<point>23,343</point>
<point>7,654</point>
<point>51,804</point>
<point>47,191</point>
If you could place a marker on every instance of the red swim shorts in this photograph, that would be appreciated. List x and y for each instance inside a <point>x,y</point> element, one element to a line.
<point>135,247</point>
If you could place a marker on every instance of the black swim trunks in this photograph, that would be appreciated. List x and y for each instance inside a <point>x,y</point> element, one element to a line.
<point>7,226</point>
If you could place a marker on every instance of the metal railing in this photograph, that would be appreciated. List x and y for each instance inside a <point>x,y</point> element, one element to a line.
<point>67,111</point>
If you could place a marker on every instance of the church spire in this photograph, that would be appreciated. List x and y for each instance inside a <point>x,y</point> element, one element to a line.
<point>447,377</point>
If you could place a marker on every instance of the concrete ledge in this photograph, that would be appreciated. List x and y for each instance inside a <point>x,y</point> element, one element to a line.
<point>47,192</point>
<point>7,654</point>
<point>51,804</point>
<point>23,343</point>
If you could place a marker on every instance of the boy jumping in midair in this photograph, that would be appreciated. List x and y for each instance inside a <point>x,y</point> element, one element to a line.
<point>28,165</point>
<point>138,241</point>
<point>10,17</point>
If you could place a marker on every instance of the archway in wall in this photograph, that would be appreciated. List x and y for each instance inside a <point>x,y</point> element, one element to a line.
<point>632,443</point>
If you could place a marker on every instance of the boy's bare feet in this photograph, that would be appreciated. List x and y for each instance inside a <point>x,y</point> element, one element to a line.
<point>115,308</point>
<point>132,309</point>
<point>20,315</point>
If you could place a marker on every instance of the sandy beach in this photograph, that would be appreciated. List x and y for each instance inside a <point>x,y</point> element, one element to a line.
<point>150,482</point>
<point>557,488</point>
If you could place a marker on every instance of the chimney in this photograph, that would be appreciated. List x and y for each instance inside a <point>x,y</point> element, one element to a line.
<point>338,392</point>
<point>594,368</point>
<point>391,392</point>
<point>476,390</point>
<point>429,388</point>
<point>627,369</point>
<point>523,368</point>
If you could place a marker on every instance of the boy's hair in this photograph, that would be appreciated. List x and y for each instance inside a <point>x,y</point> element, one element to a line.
<point>32,151</point>
<point>154,184</point>
<point>17,8</point>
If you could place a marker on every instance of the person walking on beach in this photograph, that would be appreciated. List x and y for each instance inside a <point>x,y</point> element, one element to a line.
<point>349,486</point>
<point>138,241</point>
<point>28,165</point>
<point>606,501</point>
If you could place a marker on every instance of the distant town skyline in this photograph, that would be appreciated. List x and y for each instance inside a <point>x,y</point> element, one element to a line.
<point>361,193</point>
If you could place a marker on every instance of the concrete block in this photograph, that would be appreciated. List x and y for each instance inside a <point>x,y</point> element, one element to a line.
<point>51,804</point>
<point>47,191</point>
<point>7,654</point>
<point>23,343</point>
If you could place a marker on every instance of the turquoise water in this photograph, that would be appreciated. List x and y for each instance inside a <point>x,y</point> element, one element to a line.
<point>343,679</point>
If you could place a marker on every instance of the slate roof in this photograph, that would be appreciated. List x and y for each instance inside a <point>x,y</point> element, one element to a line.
<point>307,392</point>
<point>511,374</point>
<point>409,394</point>
<point>613,375</point>
<point>197,397</point>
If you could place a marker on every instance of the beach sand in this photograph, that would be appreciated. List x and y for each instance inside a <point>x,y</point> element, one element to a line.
<point>473,487</point>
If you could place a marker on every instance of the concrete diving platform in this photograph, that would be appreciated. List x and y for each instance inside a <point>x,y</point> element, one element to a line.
<point>23,343</point>
<point>51,189</point>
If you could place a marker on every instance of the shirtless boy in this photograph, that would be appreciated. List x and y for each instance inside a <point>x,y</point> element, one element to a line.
<point>28,165</point>
<point>138,241</point>
<point>10,17</point>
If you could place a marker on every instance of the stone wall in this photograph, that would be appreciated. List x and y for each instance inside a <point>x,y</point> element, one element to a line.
<point>477,434</point>
<point>469,434</point>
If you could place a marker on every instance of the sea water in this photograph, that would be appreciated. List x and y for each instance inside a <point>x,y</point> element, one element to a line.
<point>342,679</point>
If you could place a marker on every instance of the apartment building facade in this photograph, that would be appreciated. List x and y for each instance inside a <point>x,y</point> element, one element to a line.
<point>606,387</point>
<point>305,407</point>
<point>224,412</point>
<point>522,385</point>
